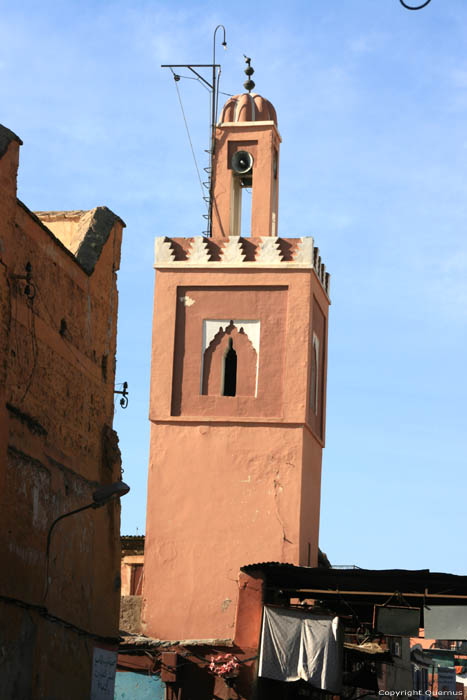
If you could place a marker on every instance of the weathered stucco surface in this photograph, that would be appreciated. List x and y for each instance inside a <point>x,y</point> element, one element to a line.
<point>232,479</point>
<point>57,350</point>
<point>130,613</point>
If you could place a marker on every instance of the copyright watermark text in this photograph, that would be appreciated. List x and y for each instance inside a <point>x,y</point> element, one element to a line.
<point>420,693</point>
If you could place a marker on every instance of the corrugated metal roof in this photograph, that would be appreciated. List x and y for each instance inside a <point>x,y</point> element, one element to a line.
<point>377,581</point>
<point>132,543</point>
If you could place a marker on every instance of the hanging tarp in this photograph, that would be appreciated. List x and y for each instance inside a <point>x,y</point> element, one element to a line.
<point>296,645</point>
<point>445,622</point>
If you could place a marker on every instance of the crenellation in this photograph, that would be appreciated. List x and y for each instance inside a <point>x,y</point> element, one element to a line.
<point>269,250</point>
<point>305,250</point>
<point>163,250</point>
<point>233,251</point>
<point>237,251</point>
<point>199,251</point>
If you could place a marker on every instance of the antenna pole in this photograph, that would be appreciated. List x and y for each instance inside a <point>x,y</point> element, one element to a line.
<point>213,141</point>
<point>215,90</point>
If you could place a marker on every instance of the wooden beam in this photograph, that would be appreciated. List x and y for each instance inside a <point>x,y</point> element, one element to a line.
<point>374,593</point>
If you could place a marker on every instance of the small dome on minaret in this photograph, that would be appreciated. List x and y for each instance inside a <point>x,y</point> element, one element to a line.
<point>248,107</point>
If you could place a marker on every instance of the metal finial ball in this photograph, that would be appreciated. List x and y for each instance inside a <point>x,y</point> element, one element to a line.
<point>249,85</point>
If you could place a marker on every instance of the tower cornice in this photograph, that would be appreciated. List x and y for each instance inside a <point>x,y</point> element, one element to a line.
<point>250,126</point>
<point>241,253</point>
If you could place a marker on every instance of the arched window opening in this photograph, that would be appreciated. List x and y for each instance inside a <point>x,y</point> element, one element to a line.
<point>214,371</point>
<point>229,371</point>
<point>314,389</point>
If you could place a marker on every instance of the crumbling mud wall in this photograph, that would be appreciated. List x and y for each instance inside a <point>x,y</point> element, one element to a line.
<point>58,321</point>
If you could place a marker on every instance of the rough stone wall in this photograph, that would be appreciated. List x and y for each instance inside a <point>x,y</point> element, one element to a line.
<point>57,372</point>
<point>130,613</point>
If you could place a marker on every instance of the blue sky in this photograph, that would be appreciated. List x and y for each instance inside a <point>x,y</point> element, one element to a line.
<point>372,103</point>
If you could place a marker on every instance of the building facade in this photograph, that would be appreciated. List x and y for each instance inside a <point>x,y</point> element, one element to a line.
<point>59,592</point>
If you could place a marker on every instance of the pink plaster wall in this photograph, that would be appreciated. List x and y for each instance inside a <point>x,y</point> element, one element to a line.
<point>221,496</point>
<point>310,500</point>
<point>280,299</point>
<point>264,303</point>
<point>232,480</point>
<point>261,141</point>
<point>249,611</point>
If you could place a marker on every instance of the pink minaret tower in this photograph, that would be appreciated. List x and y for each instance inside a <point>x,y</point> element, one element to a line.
<point>238,387</point>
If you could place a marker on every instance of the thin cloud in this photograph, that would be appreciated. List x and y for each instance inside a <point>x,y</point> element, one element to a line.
<point>368,43</point>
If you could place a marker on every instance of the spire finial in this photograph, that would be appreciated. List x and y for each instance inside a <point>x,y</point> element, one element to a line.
<point>249,84</point>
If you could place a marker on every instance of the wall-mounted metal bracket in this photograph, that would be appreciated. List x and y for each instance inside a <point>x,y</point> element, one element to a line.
<point>124,393</point>
<point>29,287</point>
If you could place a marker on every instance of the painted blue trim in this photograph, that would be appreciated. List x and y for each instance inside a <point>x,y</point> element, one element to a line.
<point>138,686</point>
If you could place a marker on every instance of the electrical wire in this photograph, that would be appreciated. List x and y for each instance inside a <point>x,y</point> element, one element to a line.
<point>213,108</point>
<point>35,349</point>
<point>217,95</point>
<point>14,321</point>
<point>43,612</point>
<point>189,137</point>
<point>31,326</point>
<point>189,77</point>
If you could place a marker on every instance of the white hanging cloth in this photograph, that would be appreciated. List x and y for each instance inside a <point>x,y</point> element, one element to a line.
<point>299,645</point>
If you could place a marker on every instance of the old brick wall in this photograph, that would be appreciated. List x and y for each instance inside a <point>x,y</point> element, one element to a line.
<point>57,373</point>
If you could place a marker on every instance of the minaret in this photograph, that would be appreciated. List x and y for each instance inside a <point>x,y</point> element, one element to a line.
<point>238,385</point>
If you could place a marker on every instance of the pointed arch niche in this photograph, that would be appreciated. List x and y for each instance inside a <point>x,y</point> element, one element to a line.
<point>220,338</point>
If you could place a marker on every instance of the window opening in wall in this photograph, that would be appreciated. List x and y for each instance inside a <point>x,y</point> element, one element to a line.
<point>242,178</point>
<point>314,389</point>
<point>229,371</point>
<point>274,196</point>
<point>236,207</point>
<point>245,335</point>
<point>245,226</point>
<point>136,581</point>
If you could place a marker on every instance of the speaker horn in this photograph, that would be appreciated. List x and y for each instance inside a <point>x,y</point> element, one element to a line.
<point>242,162</point>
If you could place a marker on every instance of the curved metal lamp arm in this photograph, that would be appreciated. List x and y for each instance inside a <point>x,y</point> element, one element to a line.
<point>215,87</point>
<point>49,538</point>
<point>65,515</point>
<point>410,7</point>
<point>224,43</point>
<point>102,495</point>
